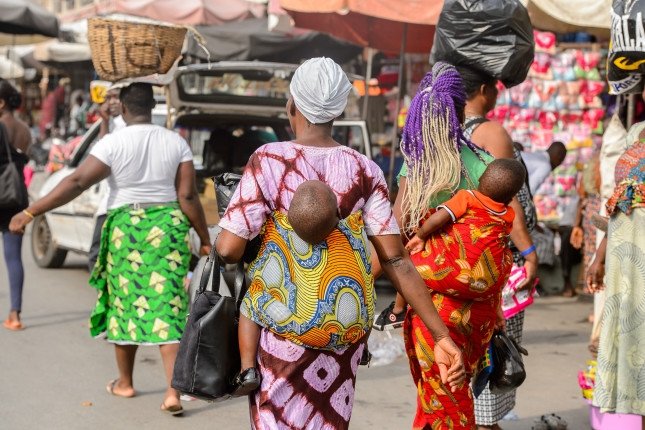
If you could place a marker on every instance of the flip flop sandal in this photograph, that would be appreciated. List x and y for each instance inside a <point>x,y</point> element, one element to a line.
<point>173,410</point>
<point>110,389</point>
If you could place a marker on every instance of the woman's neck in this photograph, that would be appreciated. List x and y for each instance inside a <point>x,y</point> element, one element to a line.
<point>316,136</point>
<point>474,109</point>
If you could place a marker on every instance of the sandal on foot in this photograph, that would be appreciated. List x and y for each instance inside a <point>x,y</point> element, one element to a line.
<point>110,389</point>
<point>172,410</point>
<point>246,382</point>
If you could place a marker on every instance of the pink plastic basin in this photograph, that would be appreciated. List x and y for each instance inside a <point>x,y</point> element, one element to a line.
<point>600,421</point>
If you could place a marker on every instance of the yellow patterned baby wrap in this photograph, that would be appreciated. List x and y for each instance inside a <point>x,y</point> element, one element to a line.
<point>319,296</point>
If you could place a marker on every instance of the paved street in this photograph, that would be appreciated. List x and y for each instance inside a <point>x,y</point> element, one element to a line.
<point>53,374</point>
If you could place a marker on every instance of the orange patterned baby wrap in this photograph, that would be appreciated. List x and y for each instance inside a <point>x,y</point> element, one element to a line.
<point>319,296</point>
<point>465,265</point>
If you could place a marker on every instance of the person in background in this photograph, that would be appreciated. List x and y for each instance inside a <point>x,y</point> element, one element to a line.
<point>583,235</point>
<point>76,114</point>
<point>144,254</point>
<point>19,139</point>
<point>619,379</point>
<point>52,108</point>
<point>110,111</point>
<point>540,164</point>
<point>570,256</point>
<point>111,121</point>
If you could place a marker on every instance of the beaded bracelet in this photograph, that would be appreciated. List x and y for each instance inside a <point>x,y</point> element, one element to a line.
<point>528,251</point>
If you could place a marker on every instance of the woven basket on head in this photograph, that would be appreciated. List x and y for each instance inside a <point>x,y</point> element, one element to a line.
<point>125,49</point>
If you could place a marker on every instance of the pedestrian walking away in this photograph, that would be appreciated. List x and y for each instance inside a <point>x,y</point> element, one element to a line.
<point>16,138</point>
<point>307,360</point>
<point>144,253</point>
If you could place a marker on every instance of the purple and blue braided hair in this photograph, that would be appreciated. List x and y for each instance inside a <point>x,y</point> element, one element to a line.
<point>441,88</point>
<point>431,141</point>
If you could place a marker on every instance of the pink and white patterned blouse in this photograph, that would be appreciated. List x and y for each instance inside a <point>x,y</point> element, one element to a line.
<point>275,171</point>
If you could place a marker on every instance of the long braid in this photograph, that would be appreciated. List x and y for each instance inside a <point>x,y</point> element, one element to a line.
<point>431,141</point>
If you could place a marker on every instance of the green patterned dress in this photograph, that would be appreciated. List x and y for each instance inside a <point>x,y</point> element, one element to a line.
<point>139,276</point>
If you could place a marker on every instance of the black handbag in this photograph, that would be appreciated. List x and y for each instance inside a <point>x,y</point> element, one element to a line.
<point>13,191</point>
<point>225,186</point>
<point>209,359</point>
<point>508,368</point>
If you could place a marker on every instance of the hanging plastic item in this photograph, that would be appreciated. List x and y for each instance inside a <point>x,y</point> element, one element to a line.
<point>626,62</point>
<point>492,36</point>
<point>508,368</point>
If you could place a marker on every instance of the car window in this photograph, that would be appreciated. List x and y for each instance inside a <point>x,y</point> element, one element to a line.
<point>223,149</point>
<point>159,118</point>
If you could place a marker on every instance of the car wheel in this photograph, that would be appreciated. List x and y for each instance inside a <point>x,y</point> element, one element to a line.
<point>43,248</point>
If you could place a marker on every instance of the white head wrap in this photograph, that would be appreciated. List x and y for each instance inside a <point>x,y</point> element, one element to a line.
<point>319,88</point>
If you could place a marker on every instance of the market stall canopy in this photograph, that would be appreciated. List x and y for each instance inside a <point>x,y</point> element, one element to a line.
<point>10,69</point>
<point>22,17</point>
<point>252,40</point>
<point>415,11</point>
<point>562,16</point>
<point>376,24</point>
<point>189,12</point>
<point>55,51</point>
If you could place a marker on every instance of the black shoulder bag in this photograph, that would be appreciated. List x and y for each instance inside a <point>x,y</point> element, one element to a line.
<point>225,186</point>
<point>209,359</point>
<point>13,191</point>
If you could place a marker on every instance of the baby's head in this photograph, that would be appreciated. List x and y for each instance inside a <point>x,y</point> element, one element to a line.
<point>313,213</point>
<point>502,179</point>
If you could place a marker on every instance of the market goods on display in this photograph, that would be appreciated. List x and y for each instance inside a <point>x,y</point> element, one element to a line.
<point>492,36</point>
<point>560,101</point>
<point>129,48</point>
<point>626,62</point>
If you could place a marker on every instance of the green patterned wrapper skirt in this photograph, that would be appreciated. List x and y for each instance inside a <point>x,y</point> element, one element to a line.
<point>139,276</point>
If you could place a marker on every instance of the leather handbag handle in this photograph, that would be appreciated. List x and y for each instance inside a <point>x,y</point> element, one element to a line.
<point>212,264</point>
<point>240,285</point>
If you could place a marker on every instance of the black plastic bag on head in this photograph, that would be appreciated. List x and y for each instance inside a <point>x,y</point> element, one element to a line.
<point>492,36</point>
<point>626,62</point>
<point>508,368</point>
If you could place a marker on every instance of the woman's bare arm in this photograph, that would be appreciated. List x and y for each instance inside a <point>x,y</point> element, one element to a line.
<point>90,172</point>
<point>190,204</point>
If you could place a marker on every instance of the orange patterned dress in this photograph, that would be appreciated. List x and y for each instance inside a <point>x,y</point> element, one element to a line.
<point>465,265</point>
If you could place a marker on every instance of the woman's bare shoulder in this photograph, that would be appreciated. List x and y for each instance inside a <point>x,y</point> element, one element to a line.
<point>494,138</point>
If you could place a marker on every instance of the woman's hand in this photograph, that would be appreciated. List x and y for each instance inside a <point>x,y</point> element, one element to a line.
<point>450,362</point>
<point>576,238</point>
<point>596,275</point>
<point>19,222</point>
<point>415,245</point>
<point>205,249</point>
<point>531,266</point>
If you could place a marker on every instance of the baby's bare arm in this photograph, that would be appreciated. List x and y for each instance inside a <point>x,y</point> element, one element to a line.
<point>437,220</point>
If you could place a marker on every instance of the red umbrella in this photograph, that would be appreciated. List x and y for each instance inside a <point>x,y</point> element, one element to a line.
<point>386,25</point>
